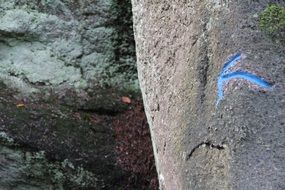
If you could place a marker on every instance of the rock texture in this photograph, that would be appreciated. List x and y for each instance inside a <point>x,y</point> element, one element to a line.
<point>31,170</point>
<point>182,47</point>
<point>58,46</point>
<point>64,67</point>
<point>47,146</point>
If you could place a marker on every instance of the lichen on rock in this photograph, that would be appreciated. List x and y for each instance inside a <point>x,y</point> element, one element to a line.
<point>32,170</point>
<point>47,146</point>
<point>272,22</point>
<point>62,46</point>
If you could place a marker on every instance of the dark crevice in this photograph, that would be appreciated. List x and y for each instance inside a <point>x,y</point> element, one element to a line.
<point>203,78</point>
<point>123,38</point>
<point>203,66</point>
<point>206,145</point>
<point>100,111</point>
<point>4,42</point>
<point>21,36</point>
<point>164,147</point>
<point>26,80</point>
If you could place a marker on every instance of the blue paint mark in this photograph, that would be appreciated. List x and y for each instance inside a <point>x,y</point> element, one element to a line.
<point>231,62</point>
<point>227,75</point>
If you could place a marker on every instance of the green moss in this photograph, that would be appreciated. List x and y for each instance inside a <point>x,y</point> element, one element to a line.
<point>272,22</point>
<point>122,72</point>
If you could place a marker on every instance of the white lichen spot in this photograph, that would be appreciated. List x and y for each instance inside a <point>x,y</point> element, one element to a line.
<point>218,4</point>
<point>161,178</point>
<point>5,137</point>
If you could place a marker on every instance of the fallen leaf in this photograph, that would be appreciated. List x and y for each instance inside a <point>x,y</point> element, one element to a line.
<point>126,100</point>
<point>20,105</point>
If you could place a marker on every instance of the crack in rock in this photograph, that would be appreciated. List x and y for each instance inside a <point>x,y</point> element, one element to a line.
<point>205,145</point>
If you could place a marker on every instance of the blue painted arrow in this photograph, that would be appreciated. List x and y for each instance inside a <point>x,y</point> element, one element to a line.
<point>227,75</point>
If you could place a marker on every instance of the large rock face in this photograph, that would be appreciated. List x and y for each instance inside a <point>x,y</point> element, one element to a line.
<point>47,146</point>
<point>64,66</point>
<point>213,88</point>
<point>54,47</point>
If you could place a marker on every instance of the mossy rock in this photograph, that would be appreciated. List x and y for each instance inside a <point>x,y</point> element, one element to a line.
<point>61,134</point>
<point>272,22</point>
